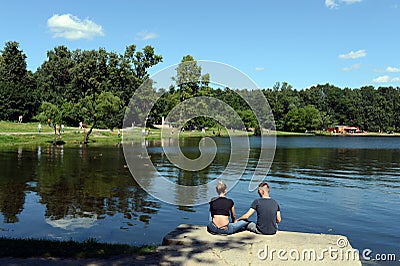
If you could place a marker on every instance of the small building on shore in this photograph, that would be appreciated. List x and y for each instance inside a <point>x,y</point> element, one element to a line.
<point>341,129</point>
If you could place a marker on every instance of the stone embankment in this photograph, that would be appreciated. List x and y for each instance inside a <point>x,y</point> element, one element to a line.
<point>192,245</point>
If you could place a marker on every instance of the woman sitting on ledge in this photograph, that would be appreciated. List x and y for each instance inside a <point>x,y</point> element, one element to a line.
<point>221,208</point>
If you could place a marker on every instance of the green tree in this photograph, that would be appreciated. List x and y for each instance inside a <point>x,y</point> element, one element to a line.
<point>282,98</point>
<point>232,98</point>
<point>13,64</point>
<point>302,119</point>
<point>248,118</point>
<point>387,99</point>
<point>188,78</point>
<point>294,120</point>
<point>17,86</point>
<point>312,118</point>
<point>132,70</point>
<point>50,112</point>
<point>371,112</point>
<point>140,105</point>
<point>325,121</point>
<point>100,108</point>
<point>191,83</point>
<point>54,76</point>
<point>16,100</point>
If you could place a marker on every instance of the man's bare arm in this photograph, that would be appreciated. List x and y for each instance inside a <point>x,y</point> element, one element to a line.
<point>246,215</point>
<point>278,217</point>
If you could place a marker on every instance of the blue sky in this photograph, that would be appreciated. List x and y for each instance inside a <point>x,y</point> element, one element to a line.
<point>348,43</point>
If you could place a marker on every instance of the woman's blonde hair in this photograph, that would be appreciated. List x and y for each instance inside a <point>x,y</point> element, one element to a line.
<point>221,187</point>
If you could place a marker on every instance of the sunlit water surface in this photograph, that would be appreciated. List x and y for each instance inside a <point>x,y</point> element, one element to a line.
<point>334,185</point>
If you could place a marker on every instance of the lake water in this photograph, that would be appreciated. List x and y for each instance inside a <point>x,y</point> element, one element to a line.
<point>333,185</point>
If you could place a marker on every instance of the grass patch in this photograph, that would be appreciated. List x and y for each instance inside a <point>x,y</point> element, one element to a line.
<point>6,126</point>
<point>285,133</point>
<point>17,134</point>
<point>26,248</point>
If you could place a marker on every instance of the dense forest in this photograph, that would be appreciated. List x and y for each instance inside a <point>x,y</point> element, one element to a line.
<point>95,86</point>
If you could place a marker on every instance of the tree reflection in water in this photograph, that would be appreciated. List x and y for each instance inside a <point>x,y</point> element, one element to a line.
<point>74,184</point>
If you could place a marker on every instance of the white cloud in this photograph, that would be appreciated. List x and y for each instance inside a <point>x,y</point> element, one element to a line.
<point>259,68</point>
<point>144,35</point>
<point>332,4</point>
<point>392,69</point>
<point>349,2</point>
<point>389,69</point>
<point>352,67</point>
<point>72,28</point>
<point>353,55</point>
<point>396,79</point>
<point>381,79</point>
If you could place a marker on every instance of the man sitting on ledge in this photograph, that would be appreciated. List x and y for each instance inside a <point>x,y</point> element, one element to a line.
<point>268,213</point>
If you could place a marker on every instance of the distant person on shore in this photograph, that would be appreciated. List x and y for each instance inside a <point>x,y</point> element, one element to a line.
<point>39,128</point>
<point>20,119</point>
<point>268,213</point>
<point>220,209</point>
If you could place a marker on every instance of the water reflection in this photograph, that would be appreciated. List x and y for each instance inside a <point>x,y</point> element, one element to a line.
<point>152,169</point>
<point>324,185</point>
<point>72,222</point>
<point>77,186</point>
<point>39,153</point>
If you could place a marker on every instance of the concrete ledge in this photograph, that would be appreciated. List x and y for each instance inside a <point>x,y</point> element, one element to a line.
<point>193,245</point>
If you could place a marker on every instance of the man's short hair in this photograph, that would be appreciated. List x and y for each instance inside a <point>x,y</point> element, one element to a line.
<point>264,186</point>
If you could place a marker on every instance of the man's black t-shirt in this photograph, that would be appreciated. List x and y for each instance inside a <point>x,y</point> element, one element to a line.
<point>266,209</point>
<point>220,206</point>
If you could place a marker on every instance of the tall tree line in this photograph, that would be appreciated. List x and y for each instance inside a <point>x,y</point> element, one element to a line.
<point>323,106</point>
<point>95,86</point>
<point>72,86</point>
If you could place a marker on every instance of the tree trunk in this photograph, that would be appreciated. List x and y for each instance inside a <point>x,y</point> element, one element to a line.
<point>86,141</point>
<point>55,135</point>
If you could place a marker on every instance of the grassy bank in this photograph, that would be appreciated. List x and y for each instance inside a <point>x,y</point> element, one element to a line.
<point>17,134</point>
<point>24,248</point>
